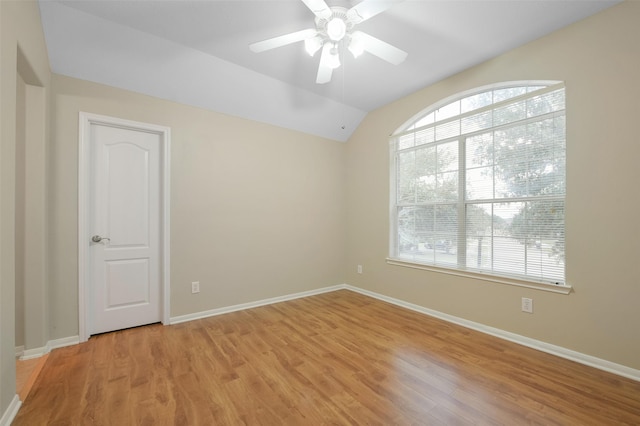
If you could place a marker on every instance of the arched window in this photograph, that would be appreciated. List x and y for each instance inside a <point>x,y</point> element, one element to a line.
<point>478,183</point>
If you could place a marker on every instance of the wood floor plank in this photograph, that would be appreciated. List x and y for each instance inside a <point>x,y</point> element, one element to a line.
<point>26,373</point>
<point>337,358</point>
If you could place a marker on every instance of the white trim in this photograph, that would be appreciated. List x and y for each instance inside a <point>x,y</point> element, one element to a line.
<point>61,343</point>
<point>554,288</point>
<point>249,305</point>
<point>166,226</point>
<point>591,361</point>
<point>83,176</point>
<point>19,351</point>
<point>551,86</point>
<point>35,352</point>
<point>461,137</point>
<point>51,345</point>
<point>85,121</point>
<point>11,411</point>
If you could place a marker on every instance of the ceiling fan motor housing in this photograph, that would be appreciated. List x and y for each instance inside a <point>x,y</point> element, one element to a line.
<point>335,27</point>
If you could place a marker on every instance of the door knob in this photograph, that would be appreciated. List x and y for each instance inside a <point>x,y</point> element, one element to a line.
<point>98,238</point>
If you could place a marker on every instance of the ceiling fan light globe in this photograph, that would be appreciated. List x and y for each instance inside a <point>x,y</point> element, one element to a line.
<point>312,45</point>
<point>356,45</point>
<point>336,29</point>
<point>333,61</point>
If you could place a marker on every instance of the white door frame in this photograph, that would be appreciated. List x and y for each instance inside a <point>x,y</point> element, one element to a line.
<point>84,233</point>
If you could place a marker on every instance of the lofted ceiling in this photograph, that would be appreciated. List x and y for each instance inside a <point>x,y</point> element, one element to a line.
<point>196,51</point>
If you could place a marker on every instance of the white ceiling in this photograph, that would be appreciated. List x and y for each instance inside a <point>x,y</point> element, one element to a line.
<point>196,51</point>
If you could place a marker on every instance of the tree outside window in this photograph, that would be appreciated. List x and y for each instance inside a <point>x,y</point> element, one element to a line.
<point>479,184</point>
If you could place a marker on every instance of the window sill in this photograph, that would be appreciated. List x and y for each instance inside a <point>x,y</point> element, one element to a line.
<point>561,289</point>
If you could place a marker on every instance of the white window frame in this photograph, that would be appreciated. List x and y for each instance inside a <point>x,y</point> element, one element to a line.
<point>407,128</point>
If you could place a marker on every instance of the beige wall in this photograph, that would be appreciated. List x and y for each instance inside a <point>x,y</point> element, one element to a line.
<point>256,211</point>
<point>599,59</point>
<point>20,201</point>
<point>22,50</point>
<point>31,310</point>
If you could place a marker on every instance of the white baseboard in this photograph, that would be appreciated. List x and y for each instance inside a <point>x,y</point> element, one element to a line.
<point>19,351</point>
<point>249,305</point>
<point>559,351</point>
<point>11,411</point>
<point>61,343</point>
<point>51,344</point>
<point>35,352</point>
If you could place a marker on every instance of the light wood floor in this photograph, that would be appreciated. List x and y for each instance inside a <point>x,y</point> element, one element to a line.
<point>26,373</point>
<point>337,358</point>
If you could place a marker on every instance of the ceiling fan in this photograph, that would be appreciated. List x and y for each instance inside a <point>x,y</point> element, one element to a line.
<point>335,27</point>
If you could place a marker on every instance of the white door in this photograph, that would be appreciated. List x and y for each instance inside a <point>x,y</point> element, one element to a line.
<point>124,223</point>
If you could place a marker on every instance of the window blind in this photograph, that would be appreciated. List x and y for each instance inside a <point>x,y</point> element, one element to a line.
<point>479,184</point>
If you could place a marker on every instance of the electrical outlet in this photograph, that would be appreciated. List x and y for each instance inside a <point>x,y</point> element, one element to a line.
<point>195,287</point>
<point>359,269</point>
<point>527,305</point>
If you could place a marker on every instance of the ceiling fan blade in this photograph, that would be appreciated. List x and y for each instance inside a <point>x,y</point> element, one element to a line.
<point>381,49</point>
<point>324,74</point>
<point>324,70</point>
<point>368,9</point>
<point>282,40</point>
<point>319,8</point>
